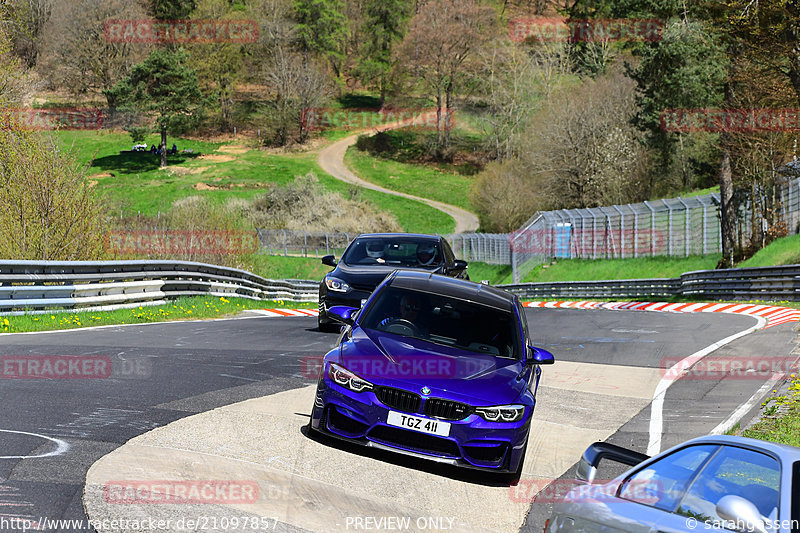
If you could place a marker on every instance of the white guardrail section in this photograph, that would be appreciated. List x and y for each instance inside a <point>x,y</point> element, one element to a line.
<point>36,286</point>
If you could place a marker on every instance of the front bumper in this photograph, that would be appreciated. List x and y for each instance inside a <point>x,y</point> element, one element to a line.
<point>328,299</point>
<point>472,443</point>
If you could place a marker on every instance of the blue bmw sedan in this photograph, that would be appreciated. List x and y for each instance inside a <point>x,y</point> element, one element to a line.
<point>434,367</point>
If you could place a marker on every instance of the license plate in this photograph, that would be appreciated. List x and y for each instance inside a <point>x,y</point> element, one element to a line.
<point>416,423</point>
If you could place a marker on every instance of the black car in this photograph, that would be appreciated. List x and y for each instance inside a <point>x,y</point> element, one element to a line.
<point>371,257</point>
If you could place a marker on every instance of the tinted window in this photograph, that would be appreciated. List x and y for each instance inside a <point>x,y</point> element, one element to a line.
<point>444,320</point>
<point>752,475</point>
<point>662,484</point>
<point>399,252</point>
<point>449,256</point>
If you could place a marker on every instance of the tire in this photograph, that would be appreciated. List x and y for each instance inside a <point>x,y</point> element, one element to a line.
<point>328,327</point>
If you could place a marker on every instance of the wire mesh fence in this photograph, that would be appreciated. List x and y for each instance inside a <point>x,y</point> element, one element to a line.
<point>670,227</point>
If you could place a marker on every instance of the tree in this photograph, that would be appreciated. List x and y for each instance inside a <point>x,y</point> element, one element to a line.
<point>77,56</point>
<point>27,19</point>
<point>219,65</point>
<point>162,86</point>
<point>514,80</point>
<point>443,36</point>
<point>384,25</point>
<point>47,209</point>
<point>686,69</point>
<point>583,146</point>
<point>172,9</point>
<point>321,29</point>
<point>298,82</point>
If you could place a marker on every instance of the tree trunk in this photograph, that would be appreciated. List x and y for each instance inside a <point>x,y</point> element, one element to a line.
<point>163,146</point>
<point>225,102</point>
<point>727,209</point>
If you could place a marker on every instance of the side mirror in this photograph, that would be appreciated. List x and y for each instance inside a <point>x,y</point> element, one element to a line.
<point>342,313</point>
<point>742,512</point>
<point>587,466</point>
<point>459,264</point>
<point>329,260</point>
<point>538,356</point>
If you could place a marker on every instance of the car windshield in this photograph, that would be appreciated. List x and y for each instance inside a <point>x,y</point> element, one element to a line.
<point>401,252</point>
<point>444,320</point>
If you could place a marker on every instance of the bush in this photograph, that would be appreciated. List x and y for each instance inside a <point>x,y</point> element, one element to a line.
<point>305,205</point>
<point>47,208</point>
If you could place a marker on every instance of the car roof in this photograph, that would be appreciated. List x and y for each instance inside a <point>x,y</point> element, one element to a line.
<point>791,453</point>
<point>457,288</point>
<point>395,235</point>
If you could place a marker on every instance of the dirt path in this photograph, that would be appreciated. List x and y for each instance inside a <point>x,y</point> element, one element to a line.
<point>331,159</point>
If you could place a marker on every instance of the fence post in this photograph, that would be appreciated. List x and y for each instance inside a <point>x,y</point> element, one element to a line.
<point>669,226</point>
<point>621,231</point>
<point>285,249</point>
<point>514,272</point>
<point>327,248</point>
<point>594,235</point>
<point>686,229</point>
<point>705,230</point>
<point>305,244</point>
<point>635,233</point>
<point>652,228</point>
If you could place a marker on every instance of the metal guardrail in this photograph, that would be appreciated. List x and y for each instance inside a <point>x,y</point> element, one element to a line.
<point>762,283</point>
<point>27,286</point>
<point>631,288</point>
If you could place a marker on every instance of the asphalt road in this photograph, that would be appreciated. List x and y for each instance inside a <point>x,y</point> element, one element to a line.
<point>170,371</point>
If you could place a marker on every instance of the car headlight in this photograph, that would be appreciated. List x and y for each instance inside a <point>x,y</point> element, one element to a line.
<point>336,285</point>
<point>341,376</point>
<point>502,413</point>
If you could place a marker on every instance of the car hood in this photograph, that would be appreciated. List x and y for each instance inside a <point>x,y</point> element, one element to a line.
<point>392,360</point>
<point>369,276</point>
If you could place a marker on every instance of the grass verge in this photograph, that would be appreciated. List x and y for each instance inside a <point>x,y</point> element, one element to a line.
<point>419,180</point>
<point>634,268</point>
<point>780,421</point>
<point>133,183</point>
<point>188,308</point>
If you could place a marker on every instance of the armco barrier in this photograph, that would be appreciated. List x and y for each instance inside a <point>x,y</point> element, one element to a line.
<point>27,286</point>
<point>763,283</point>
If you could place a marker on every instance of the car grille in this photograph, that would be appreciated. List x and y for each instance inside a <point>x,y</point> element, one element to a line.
<point>411,440</point>
<point>399,399</point>
<point>446,409</point>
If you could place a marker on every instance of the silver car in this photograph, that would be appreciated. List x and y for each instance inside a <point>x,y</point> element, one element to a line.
<point>714,483</point>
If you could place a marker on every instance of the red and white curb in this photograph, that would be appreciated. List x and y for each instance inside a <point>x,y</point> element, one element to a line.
<point>286,312</point>
<point>774,315</point>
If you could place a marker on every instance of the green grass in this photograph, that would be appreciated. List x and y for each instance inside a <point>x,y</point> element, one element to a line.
<point>188,308</point>
<point>496,274</point>
<point>699,192</point>
<point>780,427</point>
<point>603,269</point>
<point>419,180</point>
<point>134,184</point>
<point>288,267</point>
<point>783,251</point>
